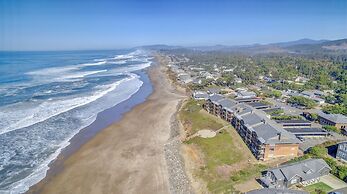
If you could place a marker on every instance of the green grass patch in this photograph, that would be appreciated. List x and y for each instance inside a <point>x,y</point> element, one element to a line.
<point>219,151</point>
<point>318,188</point>
<point>246,174</point>
<point>194,120</point>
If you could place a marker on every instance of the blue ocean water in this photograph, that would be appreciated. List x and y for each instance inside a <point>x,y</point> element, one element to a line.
<point>47,97</point>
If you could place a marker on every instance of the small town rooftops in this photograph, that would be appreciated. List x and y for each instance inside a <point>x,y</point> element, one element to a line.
<point>336,118</point>
<point>258,105</point>
<point>306,169</point>
<point>276,191</point>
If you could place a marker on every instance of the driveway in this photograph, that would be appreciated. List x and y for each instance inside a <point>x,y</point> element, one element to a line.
<point>333,181</point>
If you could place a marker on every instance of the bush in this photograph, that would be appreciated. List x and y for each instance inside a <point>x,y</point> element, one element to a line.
<point>302,101</point>
<point>318,151</point>
<point>285,117</point>
<point>331,128</point>
<point>336,109</point>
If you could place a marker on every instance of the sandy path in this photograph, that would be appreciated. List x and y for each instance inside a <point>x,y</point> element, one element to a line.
<point>128,156</point>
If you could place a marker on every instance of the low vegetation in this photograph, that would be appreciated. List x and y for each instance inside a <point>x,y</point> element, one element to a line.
<point>224,157</point>
<point>194,119</point>
<point>276,112</point>
<point>318,188</point>
<point>285,117</point>
<point>302,101</point>
<point>336,109</point>
<point>332,128</point>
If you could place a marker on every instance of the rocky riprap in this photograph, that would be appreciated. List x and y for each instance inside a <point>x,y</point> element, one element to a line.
<point>178,180</point>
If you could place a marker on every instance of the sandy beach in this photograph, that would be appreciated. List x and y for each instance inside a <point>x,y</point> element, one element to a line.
<point>128,156</point>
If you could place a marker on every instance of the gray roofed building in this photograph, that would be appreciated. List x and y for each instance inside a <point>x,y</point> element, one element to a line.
<point>227,104</point>
<point>258,105</point>
<point>262,135</point>
<point>213,90</point>
<point>246,94</point>
<point>305,172</point>
<point>216,98</point>
<point>253,99</point>
<point>304,132</point>
<point>200,95</point>
<point>337,120</point>
<point>300,123</point>
<point>251,119</point>
<point>276,191</point>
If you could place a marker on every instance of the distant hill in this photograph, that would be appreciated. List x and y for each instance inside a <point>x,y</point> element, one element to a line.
<point>159,47</point>
<point>302,46</point>
<point>299,42</point>
<point>323,47</point>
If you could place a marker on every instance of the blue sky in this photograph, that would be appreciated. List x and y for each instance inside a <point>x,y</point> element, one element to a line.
<point>97,24</point>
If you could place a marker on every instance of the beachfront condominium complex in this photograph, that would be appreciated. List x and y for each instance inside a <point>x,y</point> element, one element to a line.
<point>264,137</point>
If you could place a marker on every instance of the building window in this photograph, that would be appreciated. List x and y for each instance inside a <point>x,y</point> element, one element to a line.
<point>294,181</point>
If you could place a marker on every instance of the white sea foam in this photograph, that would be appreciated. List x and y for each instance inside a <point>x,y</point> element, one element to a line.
<point>43,116</point>
<point>81,74</point>
<point>40,172</point>
<point>22,115</point>
<point>102,62</point>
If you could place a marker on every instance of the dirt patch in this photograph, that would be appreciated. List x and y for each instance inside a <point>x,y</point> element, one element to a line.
<point>248,186</point>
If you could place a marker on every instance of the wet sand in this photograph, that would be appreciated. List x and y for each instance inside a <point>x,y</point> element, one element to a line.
<point>126,157</point>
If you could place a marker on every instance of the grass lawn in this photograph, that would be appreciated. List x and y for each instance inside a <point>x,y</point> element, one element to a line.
<point>219,152</point>
<point>318,188</point>
<point>194,119</point>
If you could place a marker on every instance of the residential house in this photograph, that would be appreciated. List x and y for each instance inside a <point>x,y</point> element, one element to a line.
<point>276,191</point>
<point>238,80</point>
<point>305,172</point>
<point>246,94</point>
<point>184,78</point>
<point>301,79</point>
<point>342,151</point>
<point>315,95</point>
<point>200,95</point>
<point>337,120</point>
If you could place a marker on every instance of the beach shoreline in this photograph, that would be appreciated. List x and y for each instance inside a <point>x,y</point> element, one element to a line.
<point>161,106</point>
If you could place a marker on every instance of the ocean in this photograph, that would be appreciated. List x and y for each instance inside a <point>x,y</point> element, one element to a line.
<point>48,97</point>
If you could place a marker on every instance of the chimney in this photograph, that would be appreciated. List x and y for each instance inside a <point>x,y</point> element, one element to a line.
<point>279,135</point>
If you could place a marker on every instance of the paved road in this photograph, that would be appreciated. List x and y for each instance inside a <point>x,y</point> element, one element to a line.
<point>310,142</point>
